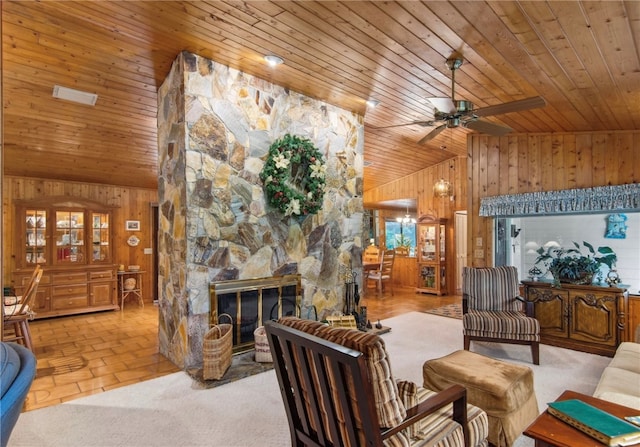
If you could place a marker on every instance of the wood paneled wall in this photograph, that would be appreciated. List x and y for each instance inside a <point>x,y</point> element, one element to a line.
<point>419,186</point>
<point>516,164</point>
<point>128,203</point>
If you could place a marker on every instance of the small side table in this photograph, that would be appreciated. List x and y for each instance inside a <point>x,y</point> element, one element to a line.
<point>550,431</point>
<point>136,291</point>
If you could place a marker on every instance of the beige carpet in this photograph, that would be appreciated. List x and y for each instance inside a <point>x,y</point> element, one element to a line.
<point>176,410</point>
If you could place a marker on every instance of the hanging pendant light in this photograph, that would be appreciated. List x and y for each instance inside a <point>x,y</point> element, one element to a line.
<point>406,219</point>
<point>443,188</point>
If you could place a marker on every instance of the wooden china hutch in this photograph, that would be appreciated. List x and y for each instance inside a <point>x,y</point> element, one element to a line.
<point>431,253</point>
<point>72,241</point>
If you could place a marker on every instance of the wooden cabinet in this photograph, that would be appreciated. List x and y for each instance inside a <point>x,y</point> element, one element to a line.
<point>71,240</point>
<point>634,318</point>
<point>431,255</point>
<point>585,318</point>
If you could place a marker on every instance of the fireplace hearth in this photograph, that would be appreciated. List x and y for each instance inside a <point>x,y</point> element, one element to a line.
<point>251,302</point>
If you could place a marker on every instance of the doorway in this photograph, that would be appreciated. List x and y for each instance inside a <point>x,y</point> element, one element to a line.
<point>154,244</point>
<point>461,246</point>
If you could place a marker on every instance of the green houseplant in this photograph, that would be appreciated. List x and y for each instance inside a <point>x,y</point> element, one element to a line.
<point>571,265</point>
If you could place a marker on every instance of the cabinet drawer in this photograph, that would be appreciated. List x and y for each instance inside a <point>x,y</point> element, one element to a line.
<point>69,303</point>
<point>102,274</point>
<point>70,290</point>
<point>69,278</point>
<point>44,279</point>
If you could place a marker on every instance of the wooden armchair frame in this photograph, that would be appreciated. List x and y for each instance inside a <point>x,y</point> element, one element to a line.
<point>315,375</point>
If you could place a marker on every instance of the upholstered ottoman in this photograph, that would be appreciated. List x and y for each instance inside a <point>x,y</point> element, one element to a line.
<point>503,390</point>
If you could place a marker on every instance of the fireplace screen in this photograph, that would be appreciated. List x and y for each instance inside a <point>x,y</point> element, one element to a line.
<point>250,302</point>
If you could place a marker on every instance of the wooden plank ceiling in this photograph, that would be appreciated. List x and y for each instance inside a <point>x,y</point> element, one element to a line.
<point>582,57</point>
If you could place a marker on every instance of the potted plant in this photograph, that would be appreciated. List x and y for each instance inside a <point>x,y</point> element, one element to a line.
<point>571,265</point>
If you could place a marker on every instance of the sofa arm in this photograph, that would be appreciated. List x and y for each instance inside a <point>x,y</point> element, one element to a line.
<point>16,392</point>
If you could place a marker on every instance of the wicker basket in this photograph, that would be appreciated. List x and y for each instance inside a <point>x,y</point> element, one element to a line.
<point>263,352</point>
<point>217,350</point>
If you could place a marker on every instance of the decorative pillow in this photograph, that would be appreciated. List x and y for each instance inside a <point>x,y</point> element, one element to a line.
<point>15,310</point>
<point>11,300</point>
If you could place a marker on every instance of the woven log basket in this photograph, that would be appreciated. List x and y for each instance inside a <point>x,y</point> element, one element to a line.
<point>217,349</point>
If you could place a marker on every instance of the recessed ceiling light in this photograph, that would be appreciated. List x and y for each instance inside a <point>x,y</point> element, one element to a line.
<point>273,60</point>
<point>78,96</point>
<point>372,103</point>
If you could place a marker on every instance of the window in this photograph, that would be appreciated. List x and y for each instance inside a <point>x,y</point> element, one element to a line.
<point>400,234</point>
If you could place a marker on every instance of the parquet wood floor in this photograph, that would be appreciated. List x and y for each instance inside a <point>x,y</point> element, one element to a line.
<point>88,354</point>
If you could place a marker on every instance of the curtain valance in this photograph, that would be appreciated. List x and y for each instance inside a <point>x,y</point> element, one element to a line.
<point>586,200</point>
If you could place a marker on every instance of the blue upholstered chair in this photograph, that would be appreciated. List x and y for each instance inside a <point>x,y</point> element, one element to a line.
<point>493,310</point>
<point>17,371</point>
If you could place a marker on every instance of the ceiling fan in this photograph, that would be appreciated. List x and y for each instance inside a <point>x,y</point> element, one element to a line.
<point>460,113</point>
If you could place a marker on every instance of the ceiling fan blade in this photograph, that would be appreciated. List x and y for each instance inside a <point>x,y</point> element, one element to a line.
<point>445,105</point>
<point>513,106</point>
<point>487,127</point>
<point>434,133</point>
<point>412,123</point>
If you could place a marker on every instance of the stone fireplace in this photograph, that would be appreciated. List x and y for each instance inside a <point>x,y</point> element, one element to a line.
<point>215,126</point>
<point>251,302</point>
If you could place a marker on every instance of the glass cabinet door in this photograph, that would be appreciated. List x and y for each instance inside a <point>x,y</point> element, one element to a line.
<point>69,237</point>
<point>35,237</point>
<point>100,237</point>
<point>427,277</point>
<point>427,243</point>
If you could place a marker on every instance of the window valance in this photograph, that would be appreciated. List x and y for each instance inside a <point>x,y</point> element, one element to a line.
<point>586,200</point>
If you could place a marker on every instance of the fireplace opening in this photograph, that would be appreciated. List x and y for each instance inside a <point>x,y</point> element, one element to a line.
<point>251,302</point>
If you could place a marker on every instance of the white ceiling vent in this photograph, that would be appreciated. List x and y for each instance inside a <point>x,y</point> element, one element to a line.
<point>75,95</point>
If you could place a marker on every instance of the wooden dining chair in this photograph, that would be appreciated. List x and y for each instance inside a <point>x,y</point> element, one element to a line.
<point>16,316</point>
<point>385,272</point>
<point>371,254</point>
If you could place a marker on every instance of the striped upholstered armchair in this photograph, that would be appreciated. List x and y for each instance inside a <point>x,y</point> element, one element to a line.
<point>493,311</point>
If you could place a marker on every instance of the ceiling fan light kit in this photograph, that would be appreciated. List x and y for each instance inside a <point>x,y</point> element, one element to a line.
<point>455,113</point>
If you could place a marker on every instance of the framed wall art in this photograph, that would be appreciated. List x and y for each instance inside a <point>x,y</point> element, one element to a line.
<point>616,226</point>
<point>132,225</point>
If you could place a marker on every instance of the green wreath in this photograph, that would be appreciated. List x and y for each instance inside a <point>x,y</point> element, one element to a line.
<point>294,176</point>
